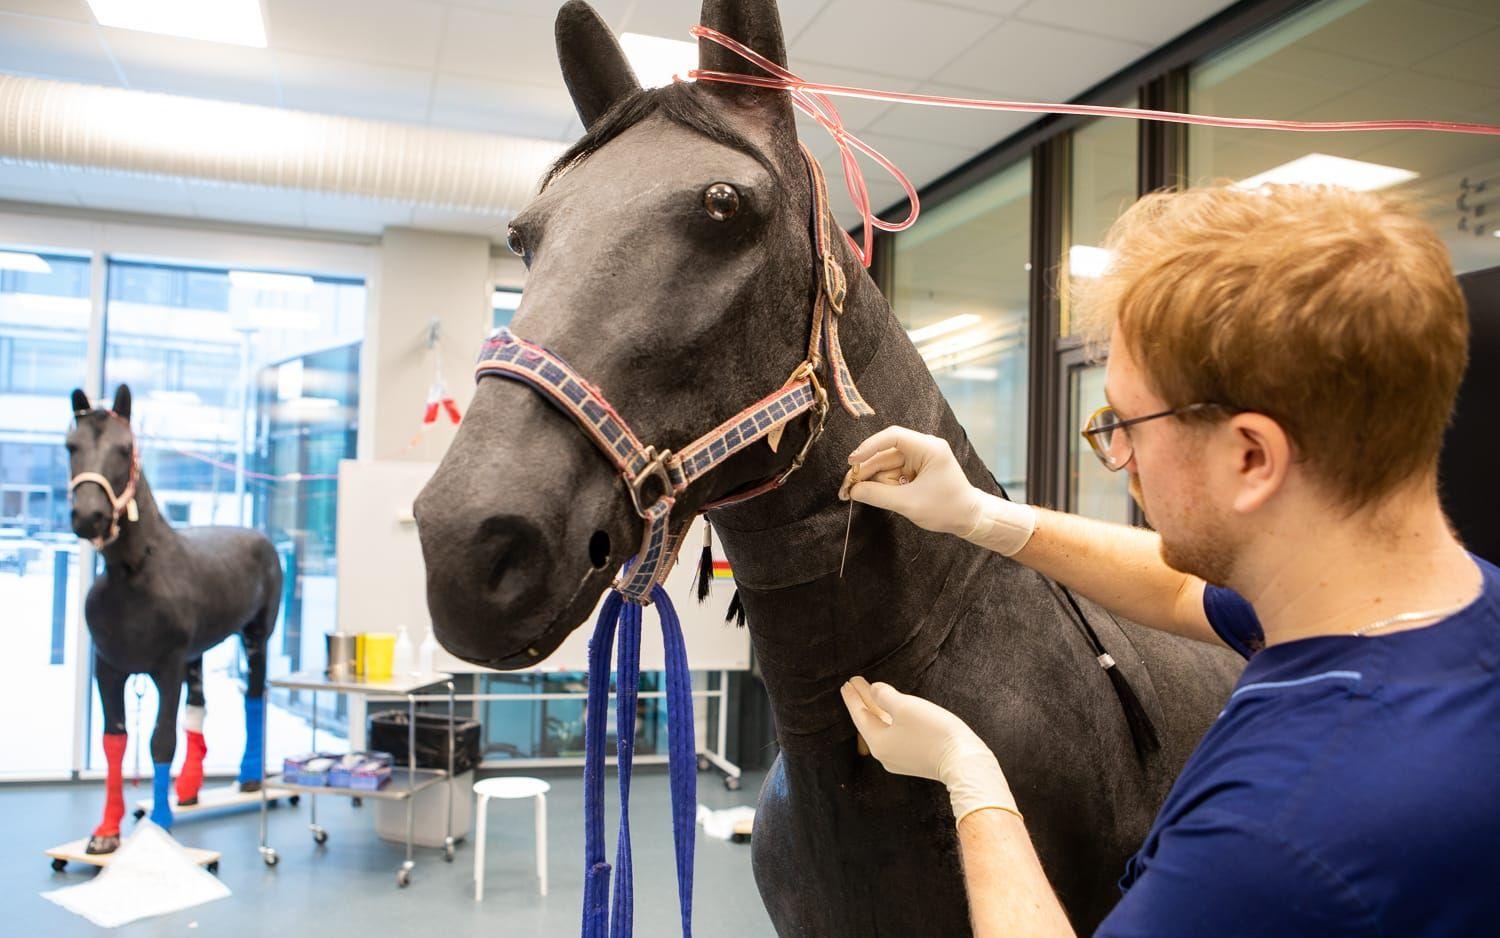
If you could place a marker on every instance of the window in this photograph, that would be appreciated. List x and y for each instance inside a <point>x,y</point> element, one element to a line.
<point>505,302</point>
<point>1103,176</point>
<point>1346,60</point>
<point>962,288</point>
<point>246,396</point>
<point>44,321</point>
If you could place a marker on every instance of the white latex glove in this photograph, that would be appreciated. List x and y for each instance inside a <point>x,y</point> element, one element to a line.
<point>913,736</point>
<point>918,477</point>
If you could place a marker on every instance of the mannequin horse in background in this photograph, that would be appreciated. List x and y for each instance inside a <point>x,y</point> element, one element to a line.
<point>165,598</point>
<point>676,262</point>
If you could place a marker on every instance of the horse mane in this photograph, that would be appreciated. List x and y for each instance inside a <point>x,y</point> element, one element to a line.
<point>677,102</point>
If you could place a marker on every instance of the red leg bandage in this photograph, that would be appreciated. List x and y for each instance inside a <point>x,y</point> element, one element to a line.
<point>114,786</point>
<point>191,777</point>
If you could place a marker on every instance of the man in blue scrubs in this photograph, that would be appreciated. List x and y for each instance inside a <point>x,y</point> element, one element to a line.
<point>1282,365</point>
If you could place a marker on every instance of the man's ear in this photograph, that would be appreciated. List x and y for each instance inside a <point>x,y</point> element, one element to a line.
<point>757,24</point>
<point>81,404</point>
<point>1263,457</point>
<point>593,66</point>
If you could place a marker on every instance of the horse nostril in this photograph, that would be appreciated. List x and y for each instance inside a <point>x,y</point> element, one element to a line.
<point>599,550</point>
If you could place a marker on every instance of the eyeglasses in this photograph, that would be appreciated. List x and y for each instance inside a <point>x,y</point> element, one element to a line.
<point>1106,434</point>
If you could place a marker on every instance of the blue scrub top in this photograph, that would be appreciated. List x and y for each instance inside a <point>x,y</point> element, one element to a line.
<point>1351,786</point>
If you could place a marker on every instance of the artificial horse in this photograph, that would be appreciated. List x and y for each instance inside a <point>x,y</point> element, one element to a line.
<point>166,597</point>
<point>677,254</point>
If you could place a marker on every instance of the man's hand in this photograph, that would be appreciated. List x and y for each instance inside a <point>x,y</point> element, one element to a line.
<point>912,736</point>
<point>918,477</point>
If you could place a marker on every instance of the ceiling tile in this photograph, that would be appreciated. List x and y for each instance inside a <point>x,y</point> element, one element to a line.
<point>974,130</point>
<point>123,192</point>
<point>76,10</point>
<point>387,32</point>
<point>255,204</point>
<point>672,18</point>
<point>191,67</point>
<point>35,196</point>
<point>858,33</point>
<point>921,160</point>
<point>432,219</point>
<point>353,208</point>
<point>857,112</point>
<point>500,46</point>
<point>39,179</point>
<point>1148,21</point>
<point>353,89</point>
<point>1398,32</point>
<point>1473,60</point>
<point>463,103</point>
<point>613,11</point>
<point>1031,61</point>
<point>54,49</point>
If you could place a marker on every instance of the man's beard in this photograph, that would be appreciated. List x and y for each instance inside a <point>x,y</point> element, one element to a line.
<point>1196,541</point>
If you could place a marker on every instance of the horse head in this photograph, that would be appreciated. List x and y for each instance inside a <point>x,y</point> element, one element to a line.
<point>670,263</point>
<point>103,464</point>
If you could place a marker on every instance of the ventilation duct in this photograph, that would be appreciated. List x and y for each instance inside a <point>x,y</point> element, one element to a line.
<point>65,125</point>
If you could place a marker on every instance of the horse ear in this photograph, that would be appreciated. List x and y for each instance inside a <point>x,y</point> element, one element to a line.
<point>121,405</point>
<point>757,24</point>
<point>80,402</point>
<point>593,65</point>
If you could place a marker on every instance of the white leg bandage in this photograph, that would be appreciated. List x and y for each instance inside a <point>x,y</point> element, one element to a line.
<point>193,720</point>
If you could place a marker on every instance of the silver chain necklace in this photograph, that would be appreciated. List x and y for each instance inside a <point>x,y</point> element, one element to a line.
<point>1410,617</point>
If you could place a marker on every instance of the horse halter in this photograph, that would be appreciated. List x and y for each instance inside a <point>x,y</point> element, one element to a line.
<point>122,504</point>
<point>655,478</point>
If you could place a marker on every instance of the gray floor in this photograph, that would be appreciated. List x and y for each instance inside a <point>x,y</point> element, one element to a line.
<point>348,886</point>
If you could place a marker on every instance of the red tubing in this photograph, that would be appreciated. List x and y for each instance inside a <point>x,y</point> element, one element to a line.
<point>811,98</point>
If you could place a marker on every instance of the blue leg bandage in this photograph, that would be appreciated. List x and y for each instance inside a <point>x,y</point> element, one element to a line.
<point>252,766</point>
<point>161,786</point>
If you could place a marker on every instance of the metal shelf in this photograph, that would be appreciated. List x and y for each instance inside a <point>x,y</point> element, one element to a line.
<point>397,789</point>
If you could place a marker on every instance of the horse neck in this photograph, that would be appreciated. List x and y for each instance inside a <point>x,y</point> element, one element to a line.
<point>900,587</point>
<point>141,538</point>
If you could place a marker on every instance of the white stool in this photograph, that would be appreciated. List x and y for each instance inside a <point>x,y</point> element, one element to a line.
<point>512,787</point>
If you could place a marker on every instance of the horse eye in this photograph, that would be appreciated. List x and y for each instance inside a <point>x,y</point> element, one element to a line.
<point>514,241</point>
<point>721,201</point>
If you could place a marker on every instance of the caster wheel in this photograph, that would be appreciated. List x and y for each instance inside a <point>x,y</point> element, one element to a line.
<point>59,864</point>
<point>357,801</point>
<point>320,836</point>
<point>213,867</point>
<point>294,800</point>
<point>138,813</point>
<point>403,878</point>
<point>731,783</point>
<point>703,763</point>
<point>448,850</point>
<point>270,858</point>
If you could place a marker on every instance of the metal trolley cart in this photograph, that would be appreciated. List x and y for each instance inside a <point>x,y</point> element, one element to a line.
<point>398,789</point>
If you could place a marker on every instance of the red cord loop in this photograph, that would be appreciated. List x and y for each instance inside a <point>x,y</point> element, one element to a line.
<point>811,98</point>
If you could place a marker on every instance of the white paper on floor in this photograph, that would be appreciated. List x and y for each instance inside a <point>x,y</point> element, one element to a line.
<point>151,874</point>
<point>721,823</point>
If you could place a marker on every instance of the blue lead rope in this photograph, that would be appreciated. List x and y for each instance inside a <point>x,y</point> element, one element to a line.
<point>618,920</point>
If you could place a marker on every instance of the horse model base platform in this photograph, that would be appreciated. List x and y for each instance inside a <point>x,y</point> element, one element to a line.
<point>219,798</point>
<point>76,851</point>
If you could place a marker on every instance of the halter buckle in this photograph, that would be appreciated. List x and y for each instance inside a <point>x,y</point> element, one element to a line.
<point>656,468</point>
<point>817,416</point>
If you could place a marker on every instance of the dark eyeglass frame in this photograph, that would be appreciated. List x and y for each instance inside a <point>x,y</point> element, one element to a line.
<point>1095,435</point>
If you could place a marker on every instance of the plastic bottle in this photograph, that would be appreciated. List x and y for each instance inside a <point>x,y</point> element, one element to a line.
<point>427,654</point>
<point>403,658</point>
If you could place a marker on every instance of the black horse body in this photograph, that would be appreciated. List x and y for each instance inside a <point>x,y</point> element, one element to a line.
<point>680,321</point>
<point>166,595</point>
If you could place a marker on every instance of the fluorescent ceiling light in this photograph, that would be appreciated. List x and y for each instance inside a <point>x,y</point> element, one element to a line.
<point>942,327</point>
<point>1085,260</point>
<point>1320,169</point>
<point>281,283</point>
<point>233,21</point>
<point>29,263</point>
<point>655,60</point>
